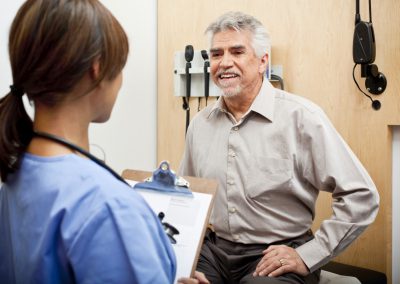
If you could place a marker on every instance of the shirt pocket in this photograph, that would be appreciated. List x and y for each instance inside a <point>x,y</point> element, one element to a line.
<point>269,176</point>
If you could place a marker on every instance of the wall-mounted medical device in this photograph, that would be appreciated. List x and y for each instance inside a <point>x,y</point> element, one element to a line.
<point>364,54</point>
<point>196,71</point>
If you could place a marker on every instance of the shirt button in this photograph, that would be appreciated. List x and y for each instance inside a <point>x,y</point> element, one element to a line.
<point>236,237</point>
<point>233,154</point>
<point>236,128</point>
<point>232,210</point>
<point>230,182</point>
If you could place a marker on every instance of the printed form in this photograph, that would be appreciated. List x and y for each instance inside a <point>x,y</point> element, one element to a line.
<point>188,215</point>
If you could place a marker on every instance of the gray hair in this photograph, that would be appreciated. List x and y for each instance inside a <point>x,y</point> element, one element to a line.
<point>239,21</point>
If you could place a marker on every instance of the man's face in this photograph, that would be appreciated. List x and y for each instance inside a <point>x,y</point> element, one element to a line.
<point>235,68</point>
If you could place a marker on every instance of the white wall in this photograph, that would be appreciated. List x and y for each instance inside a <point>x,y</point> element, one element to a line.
<point>129,137</point>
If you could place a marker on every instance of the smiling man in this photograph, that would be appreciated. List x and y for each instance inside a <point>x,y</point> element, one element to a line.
<point>271,152</point>
<point>234,66</point>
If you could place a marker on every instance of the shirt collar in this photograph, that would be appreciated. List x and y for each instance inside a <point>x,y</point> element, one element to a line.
<point>219,105</point>
<point>263,104</point>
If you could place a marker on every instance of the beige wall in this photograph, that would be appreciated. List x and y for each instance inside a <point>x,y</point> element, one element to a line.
<point>312,39</point>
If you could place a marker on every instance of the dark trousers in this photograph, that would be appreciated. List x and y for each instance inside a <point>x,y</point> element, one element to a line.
<point>226,262</point>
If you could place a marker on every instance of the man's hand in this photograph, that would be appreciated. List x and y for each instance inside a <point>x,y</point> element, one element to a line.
<point>278,260</point>
<point>199,278</point>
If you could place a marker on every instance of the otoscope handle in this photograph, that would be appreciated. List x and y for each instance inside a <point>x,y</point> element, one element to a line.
<point>206,79</point>
<point>188,79</point>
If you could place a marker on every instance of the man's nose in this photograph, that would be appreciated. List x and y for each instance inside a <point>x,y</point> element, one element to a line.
<point>226,60</point>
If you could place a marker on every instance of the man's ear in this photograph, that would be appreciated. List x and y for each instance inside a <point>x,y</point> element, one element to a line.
<point>263,64</point>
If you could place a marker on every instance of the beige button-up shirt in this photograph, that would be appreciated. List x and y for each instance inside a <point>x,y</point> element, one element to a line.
<point>271,166</point>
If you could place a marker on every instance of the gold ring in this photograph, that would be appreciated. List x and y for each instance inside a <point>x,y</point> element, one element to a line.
<point>282,261</point>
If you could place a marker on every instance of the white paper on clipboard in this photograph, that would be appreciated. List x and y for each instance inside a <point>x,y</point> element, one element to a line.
<point>188,215</point>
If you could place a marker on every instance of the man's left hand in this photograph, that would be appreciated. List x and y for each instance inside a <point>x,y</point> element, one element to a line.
<point>278,260</point>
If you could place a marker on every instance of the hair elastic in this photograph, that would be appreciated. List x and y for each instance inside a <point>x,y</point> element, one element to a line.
<point>16,91</point>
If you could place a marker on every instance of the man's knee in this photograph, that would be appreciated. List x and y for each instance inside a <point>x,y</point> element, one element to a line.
<point>250,279</point>
<point>288,278</point>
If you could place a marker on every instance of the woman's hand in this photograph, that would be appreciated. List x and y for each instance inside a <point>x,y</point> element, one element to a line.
<point>199,278</point>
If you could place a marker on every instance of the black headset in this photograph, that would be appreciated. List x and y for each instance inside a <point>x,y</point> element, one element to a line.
<point>364,54</point>
<point>74,147</point>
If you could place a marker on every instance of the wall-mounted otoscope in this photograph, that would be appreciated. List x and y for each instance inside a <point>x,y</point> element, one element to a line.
<point>189,53</point>
<point>206,74</point>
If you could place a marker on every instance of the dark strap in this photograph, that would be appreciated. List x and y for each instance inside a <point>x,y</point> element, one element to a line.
<point>76,148</point>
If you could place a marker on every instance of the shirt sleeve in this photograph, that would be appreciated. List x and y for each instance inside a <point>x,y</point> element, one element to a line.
<point>122,242</point>
<point>328,163</point>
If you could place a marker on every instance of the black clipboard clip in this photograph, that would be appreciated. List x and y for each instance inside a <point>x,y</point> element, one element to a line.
<point>165,180</point>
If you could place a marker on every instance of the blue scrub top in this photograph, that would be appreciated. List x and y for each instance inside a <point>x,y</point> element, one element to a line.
<point>66,220</point>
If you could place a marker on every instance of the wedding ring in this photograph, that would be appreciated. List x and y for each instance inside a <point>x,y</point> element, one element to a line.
<point>282,261</point>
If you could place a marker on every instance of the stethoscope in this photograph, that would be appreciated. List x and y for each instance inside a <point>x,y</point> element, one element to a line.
<point>168,228</point>
<point>76,148</point>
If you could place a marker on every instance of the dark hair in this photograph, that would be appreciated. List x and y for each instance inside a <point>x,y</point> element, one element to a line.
<point>52,45</point>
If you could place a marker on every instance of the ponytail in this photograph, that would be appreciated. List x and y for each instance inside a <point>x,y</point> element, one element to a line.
<point>52,45</point>
<point>16,130</point>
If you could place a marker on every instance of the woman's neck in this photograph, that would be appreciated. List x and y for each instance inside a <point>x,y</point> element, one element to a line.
<point>67,122</point>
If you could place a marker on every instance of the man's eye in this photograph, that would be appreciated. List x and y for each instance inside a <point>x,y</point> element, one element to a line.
<point>215,55</point>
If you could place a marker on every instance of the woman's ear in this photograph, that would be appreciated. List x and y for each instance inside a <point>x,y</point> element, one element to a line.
<point>95,70</point>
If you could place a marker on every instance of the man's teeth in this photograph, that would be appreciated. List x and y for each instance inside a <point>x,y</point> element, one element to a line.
<point>223,76</point>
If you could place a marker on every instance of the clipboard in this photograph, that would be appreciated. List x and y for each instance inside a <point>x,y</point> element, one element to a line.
<point>179,210</point>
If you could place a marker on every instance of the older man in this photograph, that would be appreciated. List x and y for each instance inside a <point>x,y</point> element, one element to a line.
<point>271,152</point>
